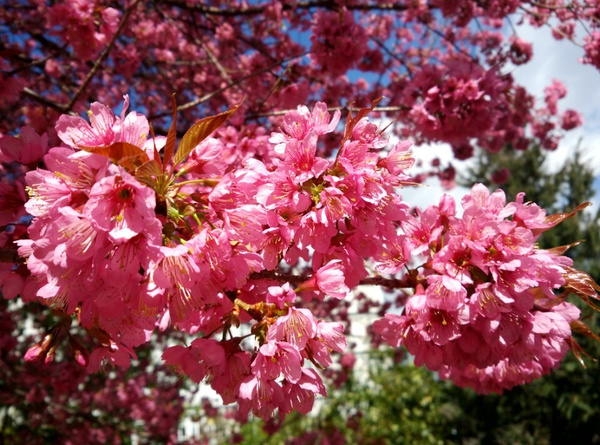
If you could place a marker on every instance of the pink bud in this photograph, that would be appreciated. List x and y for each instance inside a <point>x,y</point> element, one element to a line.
<point>34,353</point>
<point>79,353</point>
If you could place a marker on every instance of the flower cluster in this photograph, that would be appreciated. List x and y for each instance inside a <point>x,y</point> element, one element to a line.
<point>132,234</point>
<point>484,312</point>
<point>442,65</point>
<point>132,241</point>
<point>338,42</point>
<point>293,338</point>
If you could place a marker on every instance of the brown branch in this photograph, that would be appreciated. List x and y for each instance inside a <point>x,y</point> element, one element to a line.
<point>10,255</point>
<point>295,280</point>
<point>210,95</point>
<point>102,57</point>
<point>551,7</point>
<point>345,108</point>
<point>43,100</point>
<point>257,10</point>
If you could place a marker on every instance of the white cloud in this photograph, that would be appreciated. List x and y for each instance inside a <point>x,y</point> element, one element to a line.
<point>559,59</point>
<point>431,191</point>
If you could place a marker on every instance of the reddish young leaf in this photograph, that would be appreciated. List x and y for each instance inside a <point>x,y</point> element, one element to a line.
<point>157,157</point>
<point>352,121</point>
<point>557,218</point>
<point>560,250</point>
<point>171,136</point>
<point>150,168</point>
<point>147,172</point>
<point>581,328</point>
<point>124,154</point>
<point>578,350</point>
<point>582,285</point>
<point>200,131</point>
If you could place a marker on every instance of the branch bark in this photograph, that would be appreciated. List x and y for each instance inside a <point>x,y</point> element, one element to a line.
<point>102,57</point>
<point>295,280</point>
<point>256,10</point>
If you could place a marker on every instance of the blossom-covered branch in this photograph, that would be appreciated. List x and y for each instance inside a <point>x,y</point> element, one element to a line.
<point>132,235</point>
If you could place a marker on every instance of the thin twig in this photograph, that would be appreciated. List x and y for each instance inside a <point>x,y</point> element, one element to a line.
<point>346,108</point>
<point>43,100</point>
<point>10,255</point>
<point>393,55</point>
<point>446,39</point>
<point>295,280</point>
<point>272,89</point>
<point>102,57</point>
<point>257,10</point>
<point>210,95</point>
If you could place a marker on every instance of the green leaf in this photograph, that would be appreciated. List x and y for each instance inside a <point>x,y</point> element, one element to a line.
<point>200,131</point>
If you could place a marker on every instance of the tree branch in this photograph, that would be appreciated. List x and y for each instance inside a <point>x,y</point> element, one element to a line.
<point>43,100</point>
<point>256,10</point>
<point>212,94</point>
<point>346,108</point>
<point>10,255</point>
<point>295,280</point>
<point>102,57</point>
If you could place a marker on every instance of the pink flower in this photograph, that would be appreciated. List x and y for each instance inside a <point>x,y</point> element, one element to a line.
<point>297,328</point>
<point>445,293</point>
<point>259,395</point>
<point>440,326</point>
<point>81,239</point>
<point>45,190</point>
<point>26,149</point>
<point>76,132</point>
<point>329,279</point>
<point>393,256</point>
<point>571,119</point>
<point>328,338</point>
<point>300,396</point>
<point>203,356</point>
<point>12,202</point>
<point>178,275</point>
<point>399,158</point>
<point>301,160</point>
<point>104,128</point>
<point>205,159</point>
<point>280,295</point>
<point>501,177</point>
<point>338,42</point>
<point>277,358</point>
<point>235,369</point>
<point>298,124</point>
<point>120,206</point>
